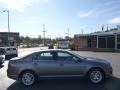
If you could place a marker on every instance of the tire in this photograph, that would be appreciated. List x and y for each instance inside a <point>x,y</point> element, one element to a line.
<point>27,78</point>
<point>16,55</point>
<point>0,63</point>
<point>96,76</point>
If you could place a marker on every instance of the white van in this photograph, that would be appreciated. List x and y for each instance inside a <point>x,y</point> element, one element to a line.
<point>63,44</point>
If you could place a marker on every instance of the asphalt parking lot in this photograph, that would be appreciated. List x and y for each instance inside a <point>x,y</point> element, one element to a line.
<point>67,84</point>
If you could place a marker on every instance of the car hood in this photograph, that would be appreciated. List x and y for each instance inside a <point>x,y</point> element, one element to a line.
<point>96,60</point>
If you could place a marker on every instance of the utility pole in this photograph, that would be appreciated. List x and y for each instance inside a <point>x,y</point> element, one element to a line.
<point>81,31</point>
<point>102,27</point>
<point>68,37</point>
<point>68,33</point>
<point>8,26</point>
<point>44,34</point>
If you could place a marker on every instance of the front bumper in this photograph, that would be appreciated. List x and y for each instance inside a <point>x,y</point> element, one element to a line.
<point>109,72</point>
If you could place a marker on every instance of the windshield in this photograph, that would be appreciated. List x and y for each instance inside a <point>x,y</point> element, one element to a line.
<point>78,55</point>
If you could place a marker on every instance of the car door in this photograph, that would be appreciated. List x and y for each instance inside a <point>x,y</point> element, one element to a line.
<point>45,63</point>
<point>67,64</point>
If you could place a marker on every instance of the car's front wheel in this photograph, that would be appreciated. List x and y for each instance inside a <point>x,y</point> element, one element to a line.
<point>96,76</point>
<point>28,78</point>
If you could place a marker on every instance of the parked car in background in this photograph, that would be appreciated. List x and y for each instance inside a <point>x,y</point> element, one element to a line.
<point>9,52</point>
<point>50,46</point>
<point>57,63</point>
<point>63,44</point>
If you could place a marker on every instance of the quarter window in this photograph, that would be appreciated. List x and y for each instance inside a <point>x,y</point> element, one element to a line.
<point>44,56</point>
<point>47,54</point>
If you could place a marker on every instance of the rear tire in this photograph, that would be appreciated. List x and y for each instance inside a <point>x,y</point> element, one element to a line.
<point>96,76</point>
<point>28,78</point>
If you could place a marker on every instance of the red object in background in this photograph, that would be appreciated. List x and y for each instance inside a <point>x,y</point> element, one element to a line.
<point>50,46</point>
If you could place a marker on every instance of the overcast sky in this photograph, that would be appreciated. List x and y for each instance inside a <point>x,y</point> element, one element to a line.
<point>28,16</point>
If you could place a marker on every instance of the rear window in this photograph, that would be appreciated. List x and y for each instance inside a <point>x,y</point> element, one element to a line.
<point>8,49</point>
<point>14,48</point>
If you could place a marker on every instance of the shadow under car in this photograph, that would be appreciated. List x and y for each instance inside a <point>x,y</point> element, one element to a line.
<point>69,84</point>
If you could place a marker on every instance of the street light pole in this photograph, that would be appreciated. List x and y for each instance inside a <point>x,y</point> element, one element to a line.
<point>68,33</point>
<point>8,26</point>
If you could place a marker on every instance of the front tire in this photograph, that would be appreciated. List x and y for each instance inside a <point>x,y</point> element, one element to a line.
<point>96,76</point>
<point>27,78</point>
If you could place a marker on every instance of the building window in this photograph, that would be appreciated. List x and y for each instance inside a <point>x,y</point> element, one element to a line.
<point>118,41</point>
<point>110,42</point>
<point>102,42</point>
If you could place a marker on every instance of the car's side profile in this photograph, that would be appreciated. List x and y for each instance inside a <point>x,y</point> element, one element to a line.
<point>57,63</point>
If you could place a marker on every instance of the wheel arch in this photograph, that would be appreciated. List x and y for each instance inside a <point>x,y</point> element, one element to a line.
<point>28,70</point>
<point>98,68</point>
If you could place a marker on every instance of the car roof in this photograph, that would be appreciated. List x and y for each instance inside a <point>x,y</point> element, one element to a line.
<point>54,50</point>
<point>47,50</point>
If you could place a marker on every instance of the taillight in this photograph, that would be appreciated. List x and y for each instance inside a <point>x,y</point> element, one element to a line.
<point>9,65</point>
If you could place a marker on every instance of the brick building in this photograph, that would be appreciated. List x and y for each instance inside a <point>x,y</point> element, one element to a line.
<point>13,38</point>
<point>109,40</point>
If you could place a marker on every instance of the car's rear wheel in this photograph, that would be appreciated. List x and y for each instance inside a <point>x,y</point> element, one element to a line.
<point>28,78</point>
<point>96,76</point>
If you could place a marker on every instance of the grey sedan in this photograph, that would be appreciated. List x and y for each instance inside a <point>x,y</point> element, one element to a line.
<point>57,63</point>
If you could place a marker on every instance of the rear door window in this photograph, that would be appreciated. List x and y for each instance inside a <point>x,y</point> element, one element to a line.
<point>44,56</point>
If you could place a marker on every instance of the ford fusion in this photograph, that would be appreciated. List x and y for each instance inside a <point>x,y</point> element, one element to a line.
<point>57,63</point>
